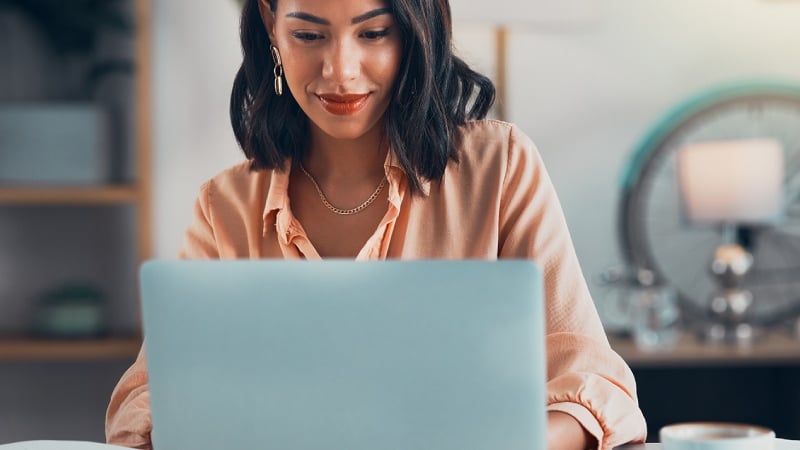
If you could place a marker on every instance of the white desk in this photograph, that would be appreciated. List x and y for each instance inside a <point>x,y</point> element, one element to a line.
<point>780,444</point>
<point>59,445</point>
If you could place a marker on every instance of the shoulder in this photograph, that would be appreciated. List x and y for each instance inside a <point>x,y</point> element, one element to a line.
<point>486,128</point>
<point>494,143</point>
<point>491,130</point>
<point>236,183</point>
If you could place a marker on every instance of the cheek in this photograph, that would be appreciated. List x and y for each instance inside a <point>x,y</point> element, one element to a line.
<point>295,68</point>
<point>389,64</point>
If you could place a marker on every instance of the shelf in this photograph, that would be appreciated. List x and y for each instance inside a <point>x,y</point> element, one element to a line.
<point>29,349</point>
<point>775,348</point>
<point>94,195</point>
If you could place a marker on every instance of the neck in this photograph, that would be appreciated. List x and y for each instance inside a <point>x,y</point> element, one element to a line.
<point>333,160</point>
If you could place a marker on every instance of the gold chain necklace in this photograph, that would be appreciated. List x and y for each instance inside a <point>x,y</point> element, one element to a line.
<point>340,211</point>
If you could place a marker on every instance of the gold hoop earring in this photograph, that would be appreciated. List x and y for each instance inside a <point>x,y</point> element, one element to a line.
<point>277,70</point>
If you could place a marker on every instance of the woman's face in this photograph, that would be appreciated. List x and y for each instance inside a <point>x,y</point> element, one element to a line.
<point>340,59</point>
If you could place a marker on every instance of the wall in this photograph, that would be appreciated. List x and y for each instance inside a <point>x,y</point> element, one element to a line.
<point>587,97</point>
<point>196,55</point>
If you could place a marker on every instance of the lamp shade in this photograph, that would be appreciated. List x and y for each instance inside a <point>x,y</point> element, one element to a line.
<point>731,181</point>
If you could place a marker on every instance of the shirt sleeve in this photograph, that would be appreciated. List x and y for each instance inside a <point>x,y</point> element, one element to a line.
<point>128,422</point>
<point>128,419</point>
<point>585,377</point>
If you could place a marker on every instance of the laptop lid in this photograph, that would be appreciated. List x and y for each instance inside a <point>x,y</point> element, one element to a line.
<point>345,355</point>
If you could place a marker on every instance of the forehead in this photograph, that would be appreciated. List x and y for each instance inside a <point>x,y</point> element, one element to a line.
<point>330,9</point>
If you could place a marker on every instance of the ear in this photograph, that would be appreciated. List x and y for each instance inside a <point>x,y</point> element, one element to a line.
<point>268,18</point>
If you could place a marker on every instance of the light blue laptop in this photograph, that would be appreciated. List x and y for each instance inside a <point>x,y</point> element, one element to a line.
<point>345,355</point>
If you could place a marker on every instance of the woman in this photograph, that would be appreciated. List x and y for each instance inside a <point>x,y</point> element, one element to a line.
<point>365,139</point>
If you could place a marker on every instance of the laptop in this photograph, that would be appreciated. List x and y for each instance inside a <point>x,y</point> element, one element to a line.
<point>345,355</point>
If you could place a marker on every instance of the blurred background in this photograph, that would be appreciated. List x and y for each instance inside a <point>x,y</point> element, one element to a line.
<point>112,114</point>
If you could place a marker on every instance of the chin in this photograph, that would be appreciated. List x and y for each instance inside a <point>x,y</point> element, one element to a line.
<point>343,130</point>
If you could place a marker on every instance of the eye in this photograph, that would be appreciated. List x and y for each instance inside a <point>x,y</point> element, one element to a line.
<point>307,36</point>
<point>374,35</point>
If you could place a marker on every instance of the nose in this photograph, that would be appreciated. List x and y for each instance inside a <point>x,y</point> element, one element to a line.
<point>342,62</point>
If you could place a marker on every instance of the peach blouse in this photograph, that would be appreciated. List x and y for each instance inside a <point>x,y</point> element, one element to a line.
<point>496,202</point>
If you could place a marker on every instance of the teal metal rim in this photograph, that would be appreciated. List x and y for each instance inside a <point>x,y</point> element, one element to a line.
<point>696,103</point>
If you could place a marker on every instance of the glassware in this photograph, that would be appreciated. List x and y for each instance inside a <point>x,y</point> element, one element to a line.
<point>613,294</point>
<point>654,314</point>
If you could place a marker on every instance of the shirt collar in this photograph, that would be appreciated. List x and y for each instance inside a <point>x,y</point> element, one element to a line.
<point>394,170</point>
<point>278,193</point>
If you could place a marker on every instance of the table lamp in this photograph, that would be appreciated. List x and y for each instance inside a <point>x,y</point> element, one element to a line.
<point>502,15</point>
<point>738,186</point>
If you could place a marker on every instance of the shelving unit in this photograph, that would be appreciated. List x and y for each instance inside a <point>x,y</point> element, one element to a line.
<point>70,195</point>
<point>774,348</point>
<point>27,349</point>
<point>128,205</point>
<point>696,381</point>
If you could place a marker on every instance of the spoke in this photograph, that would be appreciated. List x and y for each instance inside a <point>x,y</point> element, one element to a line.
<point>781,240</point>
<point>788,275</point>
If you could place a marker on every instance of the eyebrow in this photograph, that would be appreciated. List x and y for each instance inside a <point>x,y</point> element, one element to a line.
<point>369,15</point>
<point>355,20</point>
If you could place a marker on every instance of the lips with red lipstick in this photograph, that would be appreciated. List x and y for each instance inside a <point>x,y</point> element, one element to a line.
<point>343,105</point>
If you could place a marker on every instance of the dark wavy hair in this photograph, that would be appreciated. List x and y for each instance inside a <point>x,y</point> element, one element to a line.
<point>434,93</point>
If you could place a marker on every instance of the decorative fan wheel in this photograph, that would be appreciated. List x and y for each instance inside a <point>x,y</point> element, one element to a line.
<point>653,235</point>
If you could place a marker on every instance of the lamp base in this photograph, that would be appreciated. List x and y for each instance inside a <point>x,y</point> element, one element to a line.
<point>729,308</point>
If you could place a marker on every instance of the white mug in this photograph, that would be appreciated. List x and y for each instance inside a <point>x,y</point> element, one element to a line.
<point>716,436</point>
